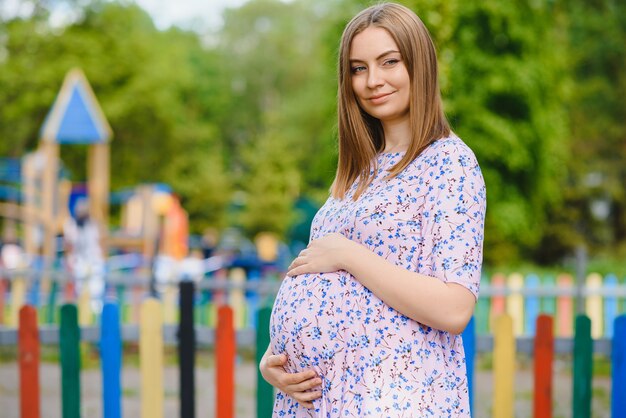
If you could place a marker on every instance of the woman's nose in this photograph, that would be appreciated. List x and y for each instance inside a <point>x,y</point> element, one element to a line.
<point>374,78</point>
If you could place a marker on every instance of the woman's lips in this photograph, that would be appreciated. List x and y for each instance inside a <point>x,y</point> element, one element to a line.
<point>380,99</point>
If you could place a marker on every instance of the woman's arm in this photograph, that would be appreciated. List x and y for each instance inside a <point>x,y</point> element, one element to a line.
<point>451,211</point>
<point>428,300</point>
<point>297,385</point>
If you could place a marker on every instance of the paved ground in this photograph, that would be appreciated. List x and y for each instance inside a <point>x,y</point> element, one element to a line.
<point>245,385</point>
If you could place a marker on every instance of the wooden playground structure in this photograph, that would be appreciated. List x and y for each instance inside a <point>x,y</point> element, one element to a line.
<point>153,220</point>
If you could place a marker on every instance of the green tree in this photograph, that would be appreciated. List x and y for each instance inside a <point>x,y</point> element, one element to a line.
<point>597,38</point>
<point>271,185</point>
<point>505,92</point>
<point>147,83</point>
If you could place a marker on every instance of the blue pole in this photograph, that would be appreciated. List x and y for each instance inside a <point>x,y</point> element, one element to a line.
<point>610,306</point>
<point>533,305</point>
<point>618,397</point>
<point>111,354</point>
<point>469,346</point>
<point>252,297</point>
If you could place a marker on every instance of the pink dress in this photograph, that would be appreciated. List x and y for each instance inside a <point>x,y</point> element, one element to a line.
<point>374,361</point>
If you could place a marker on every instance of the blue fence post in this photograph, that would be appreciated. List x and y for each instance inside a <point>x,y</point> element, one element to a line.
<point>33,294</point>
<point>111,353</point>
<point>618,400</point>
<point>469,346</point>
<point>610,305</point>
<point>532,305</point>
<point>252,297</point>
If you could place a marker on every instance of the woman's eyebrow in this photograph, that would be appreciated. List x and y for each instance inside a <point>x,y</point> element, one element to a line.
<point>391,51</point>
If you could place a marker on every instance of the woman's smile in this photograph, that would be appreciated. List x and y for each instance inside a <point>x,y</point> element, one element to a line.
<point>380,98</point>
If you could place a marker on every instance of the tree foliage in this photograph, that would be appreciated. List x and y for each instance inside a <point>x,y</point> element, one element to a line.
<point>246,114</point>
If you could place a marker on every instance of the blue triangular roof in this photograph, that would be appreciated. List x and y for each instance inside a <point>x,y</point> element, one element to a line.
<point>76,116</point>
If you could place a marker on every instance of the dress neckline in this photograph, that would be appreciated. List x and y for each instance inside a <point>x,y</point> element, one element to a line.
<point>391,153</point>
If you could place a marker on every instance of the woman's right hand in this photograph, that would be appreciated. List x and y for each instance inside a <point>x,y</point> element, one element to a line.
<point>296,385</point>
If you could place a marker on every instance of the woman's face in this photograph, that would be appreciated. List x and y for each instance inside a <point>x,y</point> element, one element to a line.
<point>380,79</point>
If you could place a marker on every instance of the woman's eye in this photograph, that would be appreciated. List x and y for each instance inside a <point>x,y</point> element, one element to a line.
<point>392,61</point>
<point>358,69</point>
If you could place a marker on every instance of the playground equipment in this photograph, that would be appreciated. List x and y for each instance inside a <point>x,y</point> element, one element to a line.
<point>153,222</point>
<point>75,118</point>
<point>11,255</point>
<point>10,179</point>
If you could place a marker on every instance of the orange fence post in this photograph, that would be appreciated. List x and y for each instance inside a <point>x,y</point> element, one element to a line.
<point>220,296</point>
<point>498,302</point>
<point>544,354</point>
<point>225,362</point>
<point>28,337</point>
<point>70,292</point>
<point>565,308</point>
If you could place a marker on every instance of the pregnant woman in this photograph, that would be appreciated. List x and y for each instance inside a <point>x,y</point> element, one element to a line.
<point>367,321</point>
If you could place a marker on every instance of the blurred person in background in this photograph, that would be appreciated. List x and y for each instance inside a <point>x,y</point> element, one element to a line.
<point>84,254</point>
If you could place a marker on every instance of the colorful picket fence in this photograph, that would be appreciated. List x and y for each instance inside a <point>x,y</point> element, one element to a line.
<point>151,363</point>
<point>151,347</point>
<point>504,355</point>
<point>152,316</point>
<point>233,286</point>
<point>522,297</point>
<point>525,297</point>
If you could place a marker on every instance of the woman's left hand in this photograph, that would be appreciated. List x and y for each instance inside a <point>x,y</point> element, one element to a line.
<point>322,255</point>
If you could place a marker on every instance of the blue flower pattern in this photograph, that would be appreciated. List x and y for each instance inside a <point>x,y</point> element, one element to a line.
<point>374,361</point>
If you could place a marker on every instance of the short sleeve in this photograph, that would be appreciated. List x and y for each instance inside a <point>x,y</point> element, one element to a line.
<point>454,216</point>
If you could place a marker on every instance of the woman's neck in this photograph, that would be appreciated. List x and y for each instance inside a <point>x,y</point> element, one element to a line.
<point>397,136</point>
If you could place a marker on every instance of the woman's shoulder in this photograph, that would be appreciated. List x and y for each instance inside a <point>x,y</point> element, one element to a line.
<point>450,150</point>
<point>450,145</point>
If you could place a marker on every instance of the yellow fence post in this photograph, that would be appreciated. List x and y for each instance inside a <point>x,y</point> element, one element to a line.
<point>594,305</point>
<point>18,297</point>
<point>84,307</point>
<point>503,368</point>
<point>151,359</point>
<point>515,303</point>
<point>237,299</point>
<point>169,304</point>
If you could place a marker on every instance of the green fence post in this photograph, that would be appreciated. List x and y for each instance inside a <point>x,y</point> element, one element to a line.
<point>265,391</point>
<point>70,361</point>
<point>121,303</point>
<point>548,303</point>
<point>482,311</point>
<point>204,307</point>
<point>583,362</point>
<point>52,301</point>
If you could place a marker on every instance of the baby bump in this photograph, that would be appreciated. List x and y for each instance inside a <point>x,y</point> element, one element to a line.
<point>317,317</point>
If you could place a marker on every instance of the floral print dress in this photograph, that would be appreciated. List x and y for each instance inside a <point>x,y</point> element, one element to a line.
<point>374,361</point>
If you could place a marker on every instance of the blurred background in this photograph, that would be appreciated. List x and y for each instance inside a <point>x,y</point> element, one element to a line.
<point>232,105</point>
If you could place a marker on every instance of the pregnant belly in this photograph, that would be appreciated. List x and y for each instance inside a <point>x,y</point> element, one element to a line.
<point>318,317</point>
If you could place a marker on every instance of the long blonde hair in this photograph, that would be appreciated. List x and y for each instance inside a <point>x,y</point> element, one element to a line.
<point>361,136</point>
